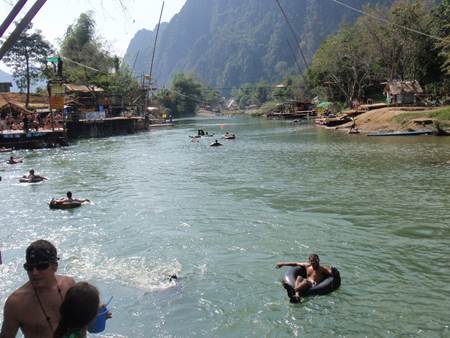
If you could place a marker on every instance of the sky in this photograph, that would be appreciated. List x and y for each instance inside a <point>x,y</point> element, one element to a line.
<point>116,24</point>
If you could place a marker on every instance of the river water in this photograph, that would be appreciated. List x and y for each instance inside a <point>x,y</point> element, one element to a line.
<point>220,218</point>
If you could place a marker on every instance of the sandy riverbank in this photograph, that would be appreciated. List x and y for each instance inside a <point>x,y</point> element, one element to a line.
<point>401,119</point>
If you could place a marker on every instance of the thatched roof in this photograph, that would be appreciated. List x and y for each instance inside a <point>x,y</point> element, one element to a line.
<point>403,87</point>
<point>82,88</point>
<point>16,101</point>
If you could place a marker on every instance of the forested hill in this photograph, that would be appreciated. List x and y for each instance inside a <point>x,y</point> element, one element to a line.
<point>231,42</point>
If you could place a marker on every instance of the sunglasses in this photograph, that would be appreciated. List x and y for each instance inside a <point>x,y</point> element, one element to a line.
<point>39,266</point>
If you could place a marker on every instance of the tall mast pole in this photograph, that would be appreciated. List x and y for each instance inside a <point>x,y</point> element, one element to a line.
<point>14,36</point>
<point>154,48</point>
<point>11,16</point>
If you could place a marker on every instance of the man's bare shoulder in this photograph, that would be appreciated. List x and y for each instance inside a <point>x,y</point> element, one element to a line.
<point>19,297</point>
<point>24,290</point>
<point>65,279</point>
<point>65,282</point>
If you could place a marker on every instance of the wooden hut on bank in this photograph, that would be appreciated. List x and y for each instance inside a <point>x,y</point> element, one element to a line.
<point>5,87</point>
<point>403,92</point>
<point>292,109</point>
<point>82,98</point>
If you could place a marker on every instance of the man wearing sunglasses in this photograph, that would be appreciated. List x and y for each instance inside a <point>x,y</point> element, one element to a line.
<point>34,307</point>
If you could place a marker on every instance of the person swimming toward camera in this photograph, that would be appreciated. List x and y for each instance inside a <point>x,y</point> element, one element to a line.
<point>215,144</point>
<point>13,160</point>
<point>32,177</point>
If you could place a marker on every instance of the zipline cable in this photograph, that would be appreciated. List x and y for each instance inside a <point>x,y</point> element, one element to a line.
<point>81,65</point>
<point>293,33</point>
<point>389,22</point>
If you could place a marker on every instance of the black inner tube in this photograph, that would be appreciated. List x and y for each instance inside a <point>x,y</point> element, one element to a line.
<point>64,205</point>
<point>328,285</point>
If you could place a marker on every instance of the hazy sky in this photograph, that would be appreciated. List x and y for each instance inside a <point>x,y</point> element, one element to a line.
<point>115,24</point>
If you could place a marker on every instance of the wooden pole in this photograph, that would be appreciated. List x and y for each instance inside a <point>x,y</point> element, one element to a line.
<point>14,36</point>
<point>11,16</point>
<point>154,50</point>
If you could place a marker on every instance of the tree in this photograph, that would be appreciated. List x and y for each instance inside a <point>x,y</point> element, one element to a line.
<point>120,81</point>
<point>446,53</point>
<point>244,95</point>
<point>184,95</point>
<point>27,58</point>
<point>80,44</point>
<point>93,64</point>
<point>252,94</point>
<point>343,65</point>
<point>210,95</point>
<point>400,52</point>
<point>441,14</point>
<point>405,45</point>
<point>262,92</point>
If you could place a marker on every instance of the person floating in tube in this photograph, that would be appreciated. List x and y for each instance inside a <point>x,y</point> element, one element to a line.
<point>69,199</point>
<point>315,273</point>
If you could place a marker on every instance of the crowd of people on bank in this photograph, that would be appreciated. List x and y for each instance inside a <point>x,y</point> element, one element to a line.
<point>29,122</point>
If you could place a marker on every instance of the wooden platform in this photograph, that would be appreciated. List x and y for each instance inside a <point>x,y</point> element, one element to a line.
<point>161,125</point>
<point>43,138</point>
<point>105,127</point>
<point>291,115</point>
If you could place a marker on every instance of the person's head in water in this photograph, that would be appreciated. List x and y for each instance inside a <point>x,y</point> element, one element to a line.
<point>11,158</point>
<point>314,261</point>
<point>69,195</point>
<point>41,262</point>
<point>78,309</point>
<point>31,171</point>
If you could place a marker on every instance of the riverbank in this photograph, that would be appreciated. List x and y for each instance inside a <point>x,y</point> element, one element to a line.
<point>388,119</point>
<point>163,205</point>
<point>401,119</point>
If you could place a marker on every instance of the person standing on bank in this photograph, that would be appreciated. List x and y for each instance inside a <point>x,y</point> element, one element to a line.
<point>34,307</point>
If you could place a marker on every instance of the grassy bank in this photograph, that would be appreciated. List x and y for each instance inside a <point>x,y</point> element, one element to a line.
<point>440,115</point>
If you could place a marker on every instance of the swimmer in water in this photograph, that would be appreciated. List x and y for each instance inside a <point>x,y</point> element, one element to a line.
<point>315,273</point>
<point>69,199</point>
<point>215,144</point>
<point>13,160</point>
<point>34,177</point>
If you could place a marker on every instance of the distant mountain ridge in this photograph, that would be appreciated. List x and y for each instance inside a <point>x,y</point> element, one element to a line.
<point>231,42</point>
<point>5,77</point>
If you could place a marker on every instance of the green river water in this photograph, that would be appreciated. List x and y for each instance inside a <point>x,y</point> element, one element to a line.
<point>220,218</point>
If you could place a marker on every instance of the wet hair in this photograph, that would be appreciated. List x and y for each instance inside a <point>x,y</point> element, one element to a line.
<point>32,171</point>
<point>313,256</point>
<point>41,251</point>
<point>78,309</point>
<point>69,194</point>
